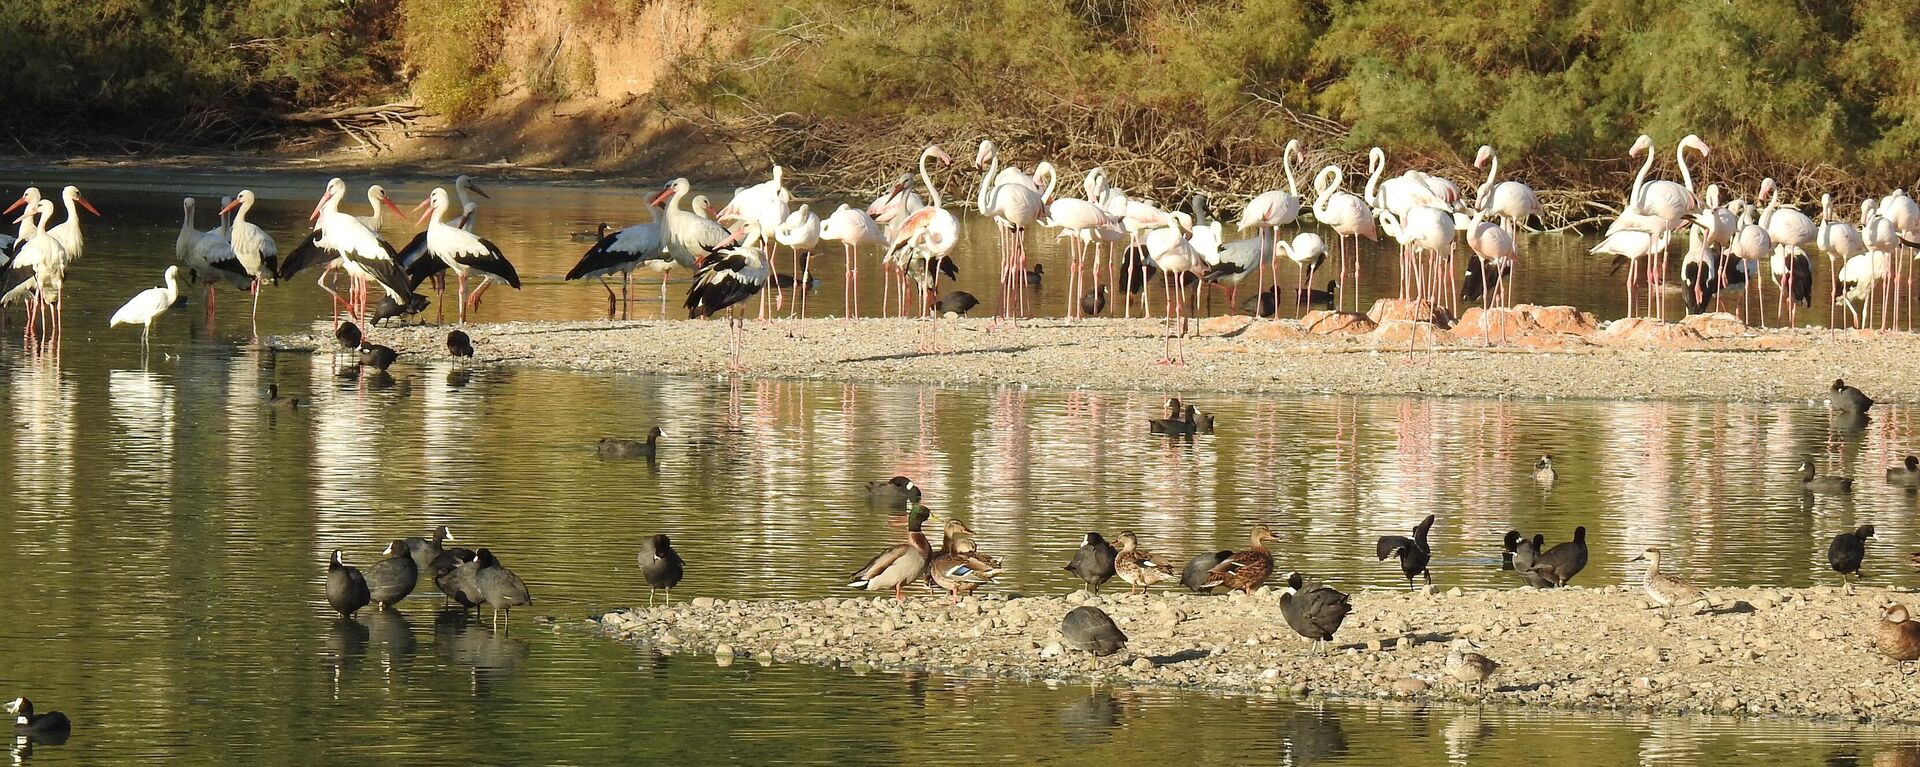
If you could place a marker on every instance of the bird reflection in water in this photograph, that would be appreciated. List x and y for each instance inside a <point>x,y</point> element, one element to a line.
<point>462,641</point>
<point>458,377</point>
<point>391,634</point>
<point>346,642</point>
<point>1312,736</point>
<point>1091,718</point>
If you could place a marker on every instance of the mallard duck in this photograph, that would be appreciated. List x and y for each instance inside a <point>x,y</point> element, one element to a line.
<point>1907,474</point>
<point>660,565</point>
<point>1897,636</point>
<point>1543,472</point>
<point>1200,568</point>
<point>1246,570</point>
<point>1093,562</point>
<point>630,448</point>
<point>900,564</point>
<point>346,587</point>
<point>1822,483</point>
<point>1846,553</point>
<point>1469,668</point>
<point>1313,611</point>
<point>1847,399</point>
<point>1665,590</point>
<point>1139,569</point>
<point>25,722</point>
<point>960,571</point>
<point>953,531</point>
<point>1521,556</point>
<point>1559,564</point>
<point>1090,630</point>
<point>1414,553</point>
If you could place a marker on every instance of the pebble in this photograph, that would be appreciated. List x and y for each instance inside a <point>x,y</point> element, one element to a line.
<point>1142,664</point>
<point>1409,686</point>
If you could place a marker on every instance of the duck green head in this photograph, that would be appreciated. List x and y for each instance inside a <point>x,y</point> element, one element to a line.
<point>919,516</point>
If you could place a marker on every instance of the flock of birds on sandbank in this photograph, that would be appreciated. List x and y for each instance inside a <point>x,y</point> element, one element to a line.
<point>1117,243</point>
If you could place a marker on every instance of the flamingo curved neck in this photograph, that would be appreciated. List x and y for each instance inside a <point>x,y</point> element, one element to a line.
<point>1376,165</point>
<point>1330,179</point>
<point>933,192</point>
<point>993,169</point>
<point>1640,179</point>
<point>1493,173</point>
<point>1053,178</point>
<point>1286,164</point>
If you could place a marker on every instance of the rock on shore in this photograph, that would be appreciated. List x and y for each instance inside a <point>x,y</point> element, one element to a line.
<point>1755,651</point>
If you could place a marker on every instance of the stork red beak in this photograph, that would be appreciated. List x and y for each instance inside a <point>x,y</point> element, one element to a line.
<point>388,201</point>
<point>230,206</point>
<point>423,216</point>
<point>320,206</point>
<point>661,197</point>
<point>16,204</point>
<point>84,204</point>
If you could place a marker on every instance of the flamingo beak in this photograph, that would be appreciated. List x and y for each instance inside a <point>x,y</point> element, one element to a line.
<point>945,159</point>
<point>230,206</point>
<point>319,207</point>
<point>738,235</point>
<point>84,204</point>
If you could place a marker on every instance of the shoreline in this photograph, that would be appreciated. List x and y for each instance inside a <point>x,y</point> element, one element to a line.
<point>1707,358</point>
<point>1774,652</point>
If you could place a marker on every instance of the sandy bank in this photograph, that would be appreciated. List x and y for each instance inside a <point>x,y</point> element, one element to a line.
<point>1756,651</point>
<point>1340,354</point>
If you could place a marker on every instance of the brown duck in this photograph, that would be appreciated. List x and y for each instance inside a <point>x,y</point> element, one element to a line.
<point>1246,570</point>
<point>1897,636</point>
<point>1138,568</point>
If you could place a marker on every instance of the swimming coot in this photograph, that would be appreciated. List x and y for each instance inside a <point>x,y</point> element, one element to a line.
<point>26,722</point>
<point>631,448</point>
<point>377,357</point>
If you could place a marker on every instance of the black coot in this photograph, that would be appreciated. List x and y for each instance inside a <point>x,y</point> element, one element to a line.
<point>349,336</point>
<point>1846,553</point>
<point>26,722</point>
<point>1414,553</point>
<point>425,550</point>
<point>661,566</point>
<point>377,357</point>
<point>499,587</point>
<point>1093,563</point>
<point>459,344</point>
<point>1200,568</point>
<point>346,588</point>
<point>1089,629</point>
<point>392,579</point>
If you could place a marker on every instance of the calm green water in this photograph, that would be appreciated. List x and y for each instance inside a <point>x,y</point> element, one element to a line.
<point>165,536</point>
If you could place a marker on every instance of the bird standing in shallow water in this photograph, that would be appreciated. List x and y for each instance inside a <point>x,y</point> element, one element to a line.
<point>346,587</point>
<point>1414,553</point>
<point>392,579</point>
<point>499,587</point>
<point>1846,553</point>
<point>1093,562</point>
<point>459,344</point>
<point>661,566</point>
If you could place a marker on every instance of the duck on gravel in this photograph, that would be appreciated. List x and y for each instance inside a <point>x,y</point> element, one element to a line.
<point>1665,590</point>
<point>1139,568</point>
<point>900,564</point>
<point>960,571</point>
<point>1245,570</point>
<point>1897,636</point>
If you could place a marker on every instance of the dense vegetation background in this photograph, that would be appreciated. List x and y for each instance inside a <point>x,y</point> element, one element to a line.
<point>1178,92</point>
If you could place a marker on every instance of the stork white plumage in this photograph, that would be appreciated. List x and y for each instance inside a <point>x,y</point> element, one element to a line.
<point>636,247</point>
<point>147,306</point>
<point>733,272</point>
<point>378,200</point>
<point>342,241</point>
<point>38,270</point>
<point>468,255</point>
<point>211,258</point>
<point>257,252</point>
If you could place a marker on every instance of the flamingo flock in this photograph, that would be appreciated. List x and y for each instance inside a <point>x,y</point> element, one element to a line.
<point>1119,246</point>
